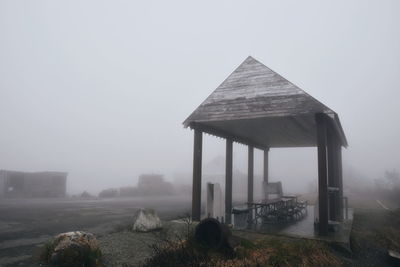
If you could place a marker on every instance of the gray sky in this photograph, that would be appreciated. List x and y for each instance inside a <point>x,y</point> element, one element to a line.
<point>100,88</point>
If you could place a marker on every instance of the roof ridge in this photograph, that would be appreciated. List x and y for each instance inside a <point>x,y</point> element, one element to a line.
<point>244,74</point>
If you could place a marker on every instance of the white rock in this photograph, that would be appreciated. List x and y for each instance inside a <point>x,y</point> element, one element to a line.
<point>146,220</point>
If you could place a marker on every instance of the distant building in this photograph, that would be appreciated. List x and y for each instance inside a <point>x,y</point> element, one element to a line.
<point>154,184</point>
<point>32,184</point>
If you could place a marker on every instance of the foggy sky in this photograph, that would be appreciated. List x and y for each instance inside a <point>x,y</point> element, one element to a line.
<point>100,88</point>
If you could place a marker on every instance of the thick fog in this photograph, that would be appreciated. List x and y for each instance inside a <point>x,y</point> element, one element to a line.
<point>100,89</point>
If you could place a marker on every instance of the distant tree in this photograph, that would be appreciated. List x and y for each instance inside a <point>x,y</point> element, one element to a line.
<point>86,194</point>
<point>392,177</point>
<point>390,180</point>
<point>388,187</point>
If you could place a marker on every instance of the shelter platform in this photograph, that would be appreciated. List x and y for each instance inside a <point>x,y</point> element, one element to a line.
<point>303,228</point>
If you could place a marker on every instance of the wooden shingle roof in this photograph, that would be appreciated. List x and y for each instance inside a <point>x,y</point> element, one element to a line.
<point>255,105</point>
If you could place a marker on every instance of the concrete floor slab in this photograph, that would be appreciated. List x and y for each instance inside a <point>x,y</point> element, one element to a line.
<point>304,228</point>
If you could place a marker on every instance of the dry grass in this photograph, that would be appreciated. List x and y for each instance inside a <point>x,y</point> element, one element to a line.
<point>276,252</point>
<point>374,232</point>
<point>272,252</point>
<point>380,227</point>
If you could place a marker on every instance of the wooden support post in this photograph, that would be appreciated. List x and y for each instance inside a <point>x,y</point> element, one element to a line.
<point>266,164</point>
<point>196,187</point>
<point>332,174</point>
<point>228,181</point>
<point>322,175</point>
<point>250,175</point>
<point>340,179</point>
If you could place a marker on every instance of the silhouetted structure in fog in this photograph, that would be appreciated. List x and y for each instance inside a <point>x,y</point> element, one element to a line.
<point>148,185</point>
<point>32,184</point>
<point>154,184</point>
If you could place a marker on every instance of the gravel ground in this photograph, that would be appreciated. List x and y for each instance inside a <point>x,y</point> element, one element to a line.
<point>127,248</point>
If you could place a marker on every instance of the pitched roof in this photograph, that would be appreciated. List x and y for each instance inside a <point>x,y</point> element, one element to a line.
<point>255,93</point>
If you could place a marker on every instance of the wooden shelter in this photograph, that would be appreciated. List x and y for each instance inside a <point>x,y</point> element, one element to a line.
<point>257,107</point>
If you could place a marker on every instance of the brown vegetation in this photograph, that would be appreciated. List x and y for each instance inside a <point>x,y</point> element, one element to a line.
<point>374,233</point>
<point>267,252</point>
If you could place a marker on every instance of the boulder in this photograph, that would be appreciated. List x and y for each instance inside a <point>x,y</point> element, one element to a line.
<point>74,249</point>
<point>146,220</point>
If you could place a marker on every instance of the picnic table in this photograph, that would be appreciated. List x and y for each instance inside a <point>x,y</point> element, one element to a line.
<point>285,208</point>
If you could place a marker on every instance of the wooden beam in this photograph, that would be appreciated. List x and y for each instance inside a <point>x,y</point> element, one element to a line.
<point>196,187</point>
<point>322,174</point>
<point>226,135</point>
<point>250,175</point>
<point>228,180</point>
